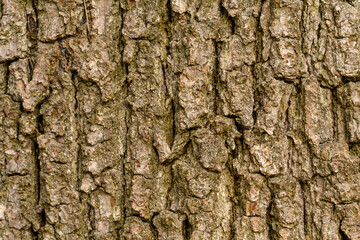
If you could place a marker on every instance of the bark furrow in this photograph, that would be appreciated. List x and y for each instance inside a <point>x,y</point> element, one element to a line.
<point>179,119</point>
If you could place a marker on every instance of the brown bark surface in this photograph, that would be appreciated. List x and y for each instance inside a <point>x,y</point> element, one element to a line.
<point>180,119</point>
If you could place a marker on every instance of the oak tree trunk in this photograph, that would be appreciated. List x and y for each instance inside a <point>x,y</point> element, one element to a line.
<point>179,119</point>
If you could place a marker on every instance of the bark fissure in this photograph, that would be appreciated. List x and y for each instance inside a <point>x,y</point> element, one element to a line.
<point>176,119</point>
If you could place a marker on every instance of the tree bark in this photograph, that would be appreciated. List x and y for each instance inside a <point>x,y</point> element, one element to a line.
<point>179,119</point>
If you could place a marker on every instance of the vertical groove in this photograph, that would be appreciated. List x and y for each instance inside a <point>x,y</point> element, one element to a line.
<point>293,171</point>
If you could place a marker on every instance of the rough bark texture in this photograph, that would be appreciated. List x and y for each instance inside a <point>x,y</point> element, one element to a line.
<point>179,119</point>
